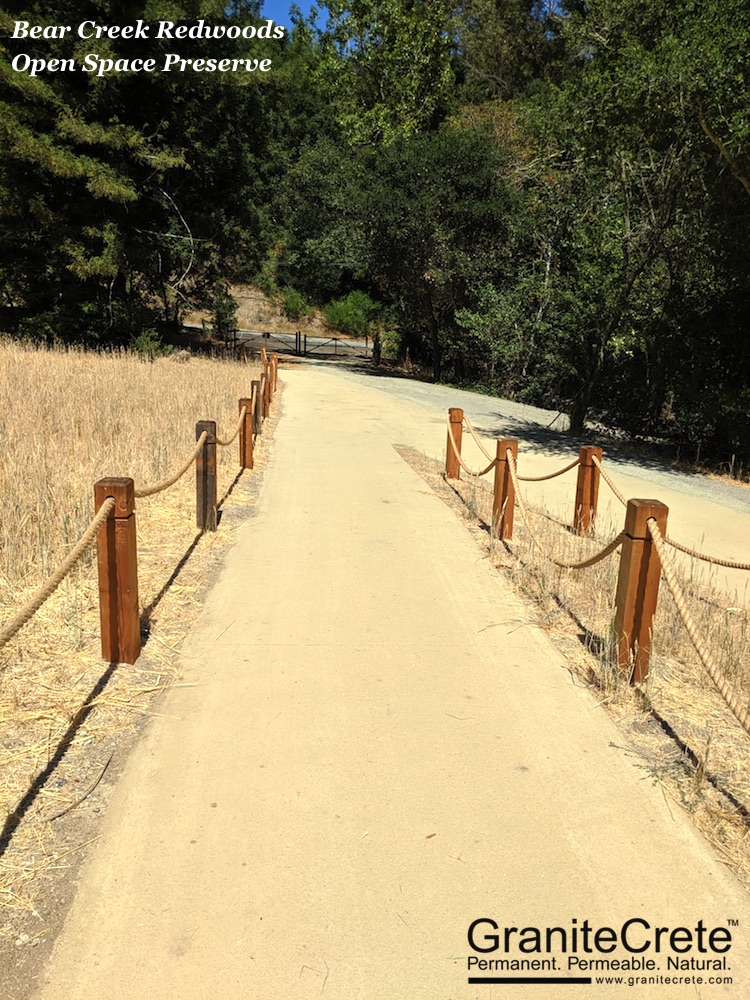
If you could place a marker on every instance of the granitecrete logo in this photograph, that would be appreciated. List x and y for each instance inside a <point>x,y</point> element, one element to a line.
<point>661,954</point>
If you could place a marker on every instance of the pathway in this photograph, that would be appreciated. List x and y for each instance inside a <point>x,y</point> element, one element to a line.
<point>375,752</point>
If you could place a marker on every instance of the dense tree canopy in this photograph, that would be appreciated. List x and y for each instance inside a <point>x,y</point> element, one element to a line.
<point>550,201</point>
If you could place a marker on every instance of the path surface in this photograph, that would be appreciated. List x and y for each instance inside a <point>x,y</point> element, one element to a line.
<point>375,752</point>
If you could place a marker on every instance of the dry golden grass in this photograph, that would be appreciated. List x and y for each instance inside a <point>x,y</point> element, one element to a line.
<point>256,311</point>
<point>677,726</point>
<point>68,418</point>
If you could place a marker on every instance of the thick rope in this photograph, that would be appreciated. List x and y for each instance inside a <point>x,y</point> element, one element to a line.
<point>237,429</point>
<point>726,563</point>
<point>709,559</point>
<point>740,712</point>
<point>552,475</point>
<point>473,434</point>
<point>31,607</point>
<point>523,479</point>
<point>609,481</point>
<point>599,557</point>
<point>464,466</point>
<point>148,491</point>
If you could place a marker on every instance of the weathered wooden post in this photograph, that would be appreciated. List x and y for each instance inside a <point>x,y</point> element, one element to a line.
<point>504,493</point>
<point>275,371</point>
<point>587,489</point>
<point>246,435</point>
<point>265,392</point>
<point>117,560</point>
<point>638,588</point>
<point>205,477</point>
<point>452,464</point>
<point>258,414</point>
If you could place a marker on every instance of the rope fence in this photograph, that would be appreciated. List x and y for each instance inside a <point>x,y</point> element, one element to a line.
<point>644,558</point>
<point>113,527</point>
<point>694,553</point>
<point>741,712</point>
<point>51,584</point>
<point>164,484</point>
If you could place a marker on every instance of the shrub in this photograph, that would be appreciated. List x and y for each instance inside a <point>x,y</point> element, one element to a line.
<point>353,314</point>
<point>294,305</point>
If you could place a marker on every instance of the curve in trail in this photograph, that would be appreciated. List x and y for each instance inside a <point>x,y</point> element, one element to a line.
<point>705,514</point>
<point>374,748</point>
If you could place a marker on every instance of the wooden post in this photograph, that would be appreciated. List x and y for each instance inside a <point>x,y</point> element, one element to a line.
<point>258,415</point>
<point>117,560</point>
<point>638,588</point>
<point>587,490</point>
<point>205,477</point>
<point>275,371</point>
<point>452,465</point>
<point>246,435</point>
<point>265,392</point>
<point>504,494</point>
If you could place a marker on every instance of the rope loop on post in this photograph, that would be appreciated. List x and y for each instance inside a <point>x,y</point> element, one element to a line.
<point>464,466</point>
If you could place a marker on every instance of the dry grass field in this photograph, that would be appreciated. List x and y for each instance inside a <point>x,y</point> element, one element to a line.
<point>67,419</point>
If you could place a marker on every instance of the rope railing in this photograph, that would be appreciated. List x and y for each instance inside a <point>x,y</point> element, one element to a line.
<point>164,484</point>
<point>640,565</point>
<point>48,588</point>
<point>714,560</point>
<point>464,466</point>
<point>584,564</point>
<point>523,479</point>
<point>476,439</point>
<point>703,556</point>
<point>115,503</point>
<point>551,475</point>
<point>224,442</point>
<point>610,482</point>
<point>725,689</point>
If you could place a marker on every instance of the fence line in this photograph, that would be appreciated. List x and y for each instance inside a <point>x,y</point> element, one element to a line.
<point>113,528</point>
<point>592,561</point>
<point>741,713</point>
<point>164,484</point>
<point>54,580</point>
<point>644,542</point>
<point>703,556</point>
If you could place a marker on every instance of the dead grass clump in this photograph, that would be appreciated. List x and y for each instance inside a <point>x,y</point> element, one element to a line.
<point>67,419</point>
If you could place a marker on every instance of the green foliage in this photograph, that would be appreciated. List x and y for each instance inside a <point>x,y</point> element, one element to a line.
<point>353,314</point>
<point>295,306</point>
<point>546,201</point>
<point>149,345</point>
<point>387,64</point>
<point>224,313</point>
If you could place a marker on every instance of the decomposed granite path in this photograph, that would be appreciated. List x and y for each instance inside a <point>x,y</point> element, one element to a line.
<point>375,751</point>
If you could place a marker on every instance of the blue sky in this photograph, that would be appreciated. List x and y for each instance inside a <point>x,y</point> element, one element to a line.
<point>278,10</point>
